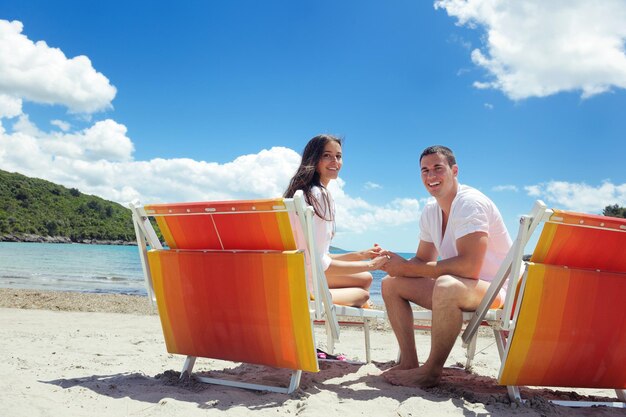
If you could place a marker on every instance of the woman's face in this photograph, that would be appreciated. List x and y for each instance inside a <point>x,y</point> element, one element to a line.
<point>330,163</point>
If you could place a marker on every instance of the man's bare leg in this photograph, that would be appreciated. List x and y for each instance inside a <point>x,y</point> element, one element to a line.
<point>451,296</point>
<point>397,292</point>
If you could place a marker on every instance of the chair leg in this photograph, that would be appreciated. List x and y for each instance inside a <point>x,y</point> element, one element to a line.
<point>471,351</point>
<point>514,393</point>
<point>366,334</point>
<point>293,383</point>
<point>330,342</point>
<point>188,366</point>
<point>500,341</point>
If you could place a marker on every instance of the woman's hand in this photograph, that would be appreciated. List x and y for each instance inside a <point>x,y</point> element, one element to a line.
<point>372,252</point>
<point>378,262</point>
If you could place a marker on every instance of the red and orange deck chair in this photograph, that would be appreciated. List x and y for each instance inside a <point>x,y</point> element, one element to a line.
<point>231,283</point>
<point>566,327</point>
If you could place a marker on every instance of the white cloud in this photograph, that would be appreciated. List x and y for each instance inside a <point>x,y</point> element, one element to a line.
<point>104,140</point>
<point>533,190</point>
<point>372,186</point>
<point>537,48</point>
<point>357,215</point>
<point>500,188</point>
<point>489,106</point>
<point>35,72</point>
<point>10,106</point>
<point>64,126</point>
<point>454,38</point>
<point>579,196</point>
<point>99,158</point>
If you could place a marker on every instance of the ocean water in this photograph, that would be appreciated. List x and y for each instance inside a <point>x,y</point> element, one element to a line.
<point>86,268</point>
<point>375,292</point>
<point>71,267</point>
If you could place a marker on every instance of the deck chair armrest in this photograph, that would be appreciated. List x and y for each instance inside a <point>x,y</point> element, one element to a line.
<point>510,269</point>
<point>323,299</point>
<point>492,293</point>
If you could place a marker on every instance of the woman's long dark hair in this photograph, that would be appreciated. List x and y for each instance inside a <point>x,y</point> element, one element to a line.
<point>307,177</point>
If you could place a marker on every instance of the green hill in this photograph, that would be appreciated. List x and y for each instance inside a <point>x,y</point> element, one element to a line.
<point>32,209</point>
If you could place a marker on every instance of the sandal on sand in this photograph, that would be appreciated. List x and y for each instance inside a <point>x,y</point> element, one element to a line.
<point>324,355</point>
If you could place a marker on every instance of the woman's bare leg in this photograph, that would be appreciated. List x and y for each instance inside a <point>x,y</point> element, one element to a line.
<point>353,297</point>
<point>359,280</point>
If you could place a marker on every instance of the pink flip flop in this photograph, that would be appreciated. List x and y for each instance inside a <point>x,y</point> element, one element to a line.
<point>324,355</point>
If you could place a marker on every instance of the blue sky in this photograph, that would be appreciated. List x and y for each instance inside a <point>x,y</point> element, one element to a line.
<point>215,100</point>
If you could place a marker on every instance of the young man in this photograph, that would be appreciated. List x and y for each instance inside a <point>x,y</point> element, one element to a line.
<point>463,240</point>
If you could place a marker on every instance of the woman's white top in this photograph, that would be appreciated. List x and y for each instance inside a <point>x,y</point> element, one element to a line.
<point>324,229</point>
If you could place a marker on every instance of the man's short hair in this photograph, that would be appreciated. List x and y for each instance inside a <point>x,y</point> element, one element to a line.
<point>442,150</point>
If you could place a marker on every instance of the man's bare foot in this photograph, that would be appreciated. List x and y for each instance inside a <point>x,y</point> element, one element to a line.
<point>417,377</point>
<point>400,367</point>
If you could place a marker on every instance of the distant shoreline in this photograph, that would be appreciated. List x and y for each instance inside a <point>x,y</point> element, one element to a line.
<point>28,238</point>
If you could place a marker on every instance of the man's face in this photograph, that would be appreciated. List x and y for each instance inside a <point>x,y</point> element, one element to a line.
<point>438,177</point>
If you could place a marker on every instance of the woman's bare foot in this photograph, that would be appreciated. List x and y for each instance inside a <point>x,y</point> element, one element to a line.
<point>418,377</point>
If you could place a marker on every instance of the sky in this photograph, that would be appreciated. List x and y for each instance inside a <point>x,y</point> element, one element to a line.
<point>192,101</point>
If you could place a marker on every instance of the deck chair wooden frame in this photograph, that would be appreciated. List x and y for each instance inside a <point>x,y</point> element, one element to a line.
<point>514,316</point>
<point>197,253</point>
<point>324,311</point>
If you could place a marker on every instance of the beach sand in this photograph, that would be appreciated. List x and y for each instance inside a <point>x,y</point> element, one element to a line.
<point>75,354</point>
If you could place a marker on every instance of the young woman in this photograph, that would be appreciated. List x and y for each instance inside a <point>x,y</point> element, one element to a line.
<point>347,274</point>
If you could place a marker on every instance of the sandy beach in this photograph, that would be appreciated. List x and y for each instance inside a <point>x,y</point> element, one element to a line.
<point>76,354</point>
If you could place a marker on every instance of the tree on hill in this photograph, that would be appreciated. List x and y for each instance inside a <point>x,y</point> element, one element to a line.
<point>614,211</point>
<point>31,206</point>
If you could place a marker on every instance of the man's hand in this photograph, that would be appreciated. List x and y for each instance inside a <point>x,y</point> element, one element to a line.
<point>395,265</point>
<point>379,262</point>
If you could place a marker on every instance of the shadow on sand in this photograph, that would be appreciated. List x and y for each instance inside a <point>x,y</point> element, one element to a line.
<point>342,380</point>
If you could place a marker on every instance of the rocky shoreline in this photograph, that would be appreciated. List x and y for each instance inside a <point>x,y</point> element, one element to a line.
<point>61,239</point>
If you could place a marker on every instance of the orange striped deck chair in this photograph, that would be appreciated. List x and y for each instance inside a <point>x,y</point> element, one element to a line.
<point>567,325</point>
<point>231,284</point>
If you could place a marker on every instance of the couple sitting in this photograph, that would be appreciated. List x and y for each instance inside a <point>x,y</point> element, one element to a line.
<point>463,240</point>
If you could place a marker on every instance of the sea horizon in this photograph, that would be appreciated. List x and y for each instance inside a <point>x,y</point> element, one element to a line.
<point>91,268</point>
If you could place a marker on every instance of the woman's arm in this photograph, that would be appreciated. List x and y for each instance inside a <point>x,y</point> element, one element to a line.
<point>342,266</point>
<point>365,254</point>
